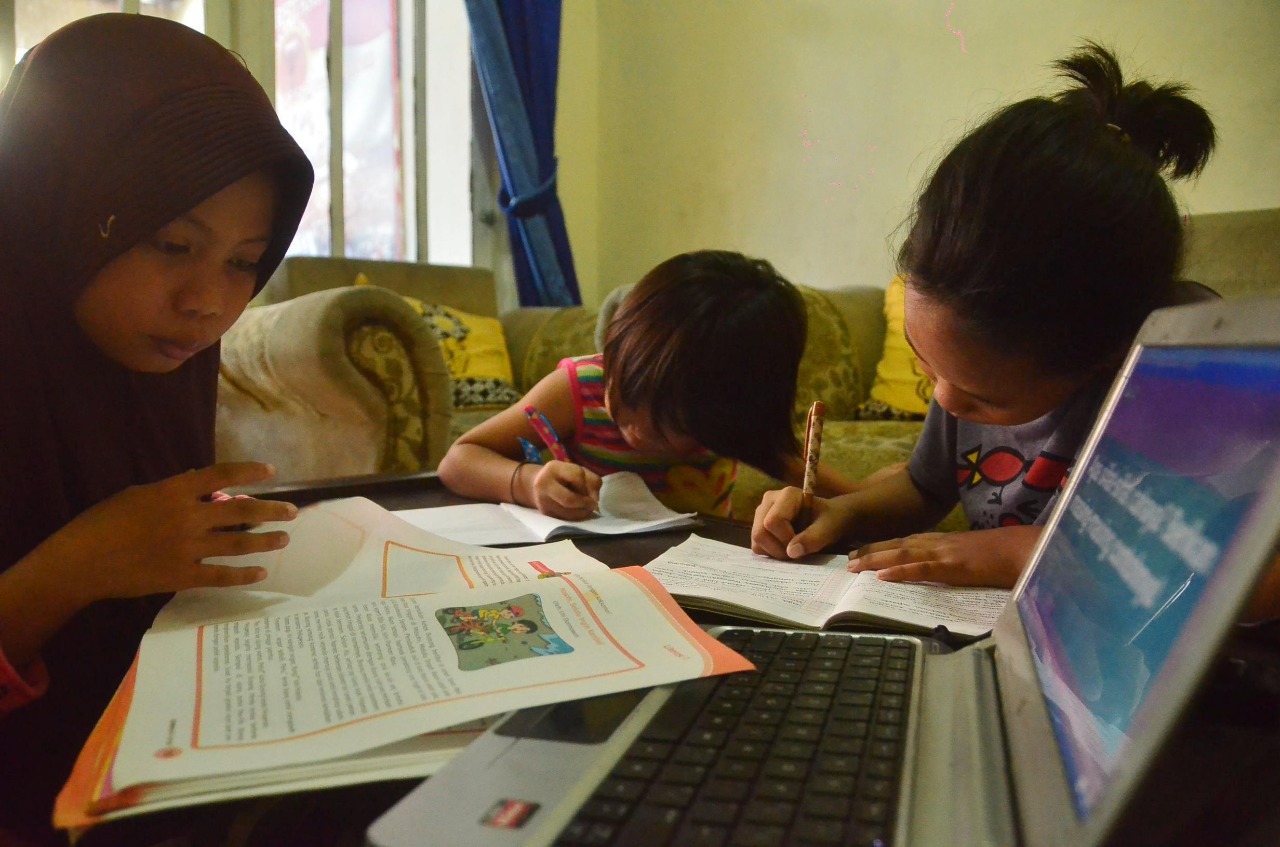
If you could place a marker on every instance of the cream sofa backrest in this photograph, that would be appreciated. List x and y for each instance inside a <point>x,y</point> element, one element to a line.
<point>468,289</point>
<point>1235,253</point>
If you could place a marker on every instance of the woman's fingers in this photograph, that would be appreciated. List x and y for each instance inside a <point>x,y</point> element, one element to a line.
<point>224,576</point>
<point>237,511</point>
<point>242,543</point>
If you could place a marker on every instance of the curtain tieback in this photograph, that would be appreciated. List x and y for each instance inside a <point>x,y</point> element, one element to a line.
<point>531,203</point>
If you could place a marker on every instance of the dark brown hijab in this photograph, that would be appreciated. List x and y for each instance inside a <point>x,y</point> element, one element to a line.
<point>109,129</point>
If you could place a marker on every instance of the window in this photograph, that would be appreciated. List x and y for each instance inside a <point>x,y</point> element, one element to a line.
<point>377,92</point>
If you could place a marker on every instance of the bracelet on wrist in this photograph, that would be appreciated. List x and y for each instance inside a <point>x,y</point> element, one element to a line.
<point>514,473</point>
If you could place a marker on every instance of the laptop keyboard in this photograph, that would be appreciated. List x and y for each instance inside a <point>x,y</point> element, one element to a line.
<point>808,751</point>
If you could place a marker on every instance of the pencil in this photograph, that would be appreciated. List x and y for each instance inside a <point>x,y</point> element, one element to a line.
<point>812,447</point>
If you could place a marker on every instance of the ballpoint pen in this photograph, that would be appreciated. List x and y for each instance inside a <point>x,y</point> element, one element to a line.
<point>547,433</point>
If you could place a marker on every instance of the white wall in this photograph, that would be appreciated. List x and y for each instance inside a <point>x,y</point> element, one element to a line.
<point>698,114</point>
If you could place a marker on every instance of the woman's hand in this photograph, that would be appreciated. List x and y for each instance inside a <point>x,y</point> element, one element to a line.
<point>774,532</point>
<point>150,539</point>
<point>565,490</point>
<point>985,557</point>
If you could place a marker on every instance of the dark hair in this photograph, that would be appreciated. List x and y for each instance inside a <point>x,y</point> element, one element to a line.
<point>1050,229</point>
<point>709,343</point>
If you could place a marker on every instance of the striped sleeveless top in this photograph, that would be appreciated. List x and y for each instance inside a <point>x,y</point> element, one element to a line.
<point>699,483</point>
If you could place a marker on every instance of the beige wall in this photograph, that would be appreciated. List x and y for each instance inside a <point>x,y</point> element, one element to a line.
<point>683,123</point>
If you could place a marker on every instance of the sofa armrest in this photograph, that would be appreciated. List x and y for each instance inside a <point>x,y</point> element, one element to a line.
<point>334,383</point>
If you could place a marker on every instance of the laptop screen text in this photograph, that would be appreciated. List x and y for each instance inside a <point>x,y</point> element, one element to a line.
<point>1189,445</point>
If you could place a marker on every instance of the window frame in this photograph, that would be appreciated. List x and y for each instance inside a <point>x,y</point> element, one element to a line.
<point>248,28</point>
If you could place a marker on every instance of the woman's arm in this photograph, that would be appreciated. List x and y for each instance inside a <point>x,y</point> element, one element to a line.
<point>148,539</point>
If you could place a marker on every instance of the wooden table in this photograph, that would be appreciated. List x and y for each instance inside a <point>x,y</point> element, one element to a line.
<point>1219,785</point>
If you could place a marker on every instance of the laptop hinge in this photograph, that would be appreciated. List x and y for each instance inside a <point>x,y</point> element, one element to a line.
<point>961,793</point>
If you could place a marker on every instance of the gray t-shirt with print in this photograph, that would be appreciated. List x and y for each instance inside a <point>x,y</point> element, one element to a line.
<point>1003,475</point>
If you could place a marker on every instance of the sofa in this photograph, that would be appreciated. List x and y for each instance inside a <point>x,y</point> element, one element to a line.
<point>325,378</point>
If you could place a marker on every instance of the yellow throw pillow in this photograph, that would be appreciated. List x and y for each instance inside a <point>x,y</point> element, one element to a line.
<point>475,350</point>
<point>899,384</point>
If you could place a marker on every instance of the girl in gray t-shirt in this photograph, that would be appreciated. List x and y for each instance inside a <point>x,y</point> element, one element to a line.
<point>1037,248</point>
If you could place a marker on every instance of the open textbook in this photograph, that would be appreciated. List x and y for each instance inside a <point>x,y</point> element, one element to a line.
<point>367,636</point>
<point>817,592</point>
<point>626,506</point>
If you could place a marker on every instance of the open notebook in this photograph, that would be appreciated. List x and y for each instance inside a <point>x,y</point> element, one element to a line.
<point>1169,517</point>
<point>626,506</point>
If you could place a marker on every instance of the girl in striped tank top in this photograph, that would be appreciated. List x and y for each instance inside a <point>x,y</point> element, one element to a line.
<point>698,373</point>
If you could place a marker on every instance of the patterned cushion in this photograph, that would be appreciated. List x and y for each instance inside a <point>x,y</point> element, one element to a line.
<point>899,383</point>
<point>475,351</point>
<point>380,355</point>
<point>878,410</point>
<point>568,332</point>
<point>829,369</point>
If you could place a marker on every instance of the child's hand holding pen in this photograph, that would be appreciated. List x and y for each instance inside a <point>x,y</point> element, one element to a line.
<point>792,523</point>
<point>560,488</point>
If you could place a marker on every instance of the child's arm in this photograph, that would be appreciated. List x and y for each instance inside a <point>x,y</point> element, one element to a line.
<point>886,504</point>
<point>992,558</point>
<point>485,462</point>
<point>148,539</point>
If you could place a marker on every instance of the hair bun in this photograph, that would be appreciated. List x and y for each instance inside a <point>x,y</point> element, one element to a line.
<point>1160,120</point>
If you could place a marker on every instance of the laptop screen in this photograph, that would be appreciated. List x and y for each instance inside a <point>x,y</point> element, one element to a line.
<point>1188,446</point>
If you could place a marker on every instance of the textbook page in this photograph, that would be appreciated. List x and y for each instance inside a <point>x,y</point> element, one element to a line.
<point>305,682</point>
<point>355,549</point>
<point>91,797</point>
<point>817,591</point>
<point>626,506</point>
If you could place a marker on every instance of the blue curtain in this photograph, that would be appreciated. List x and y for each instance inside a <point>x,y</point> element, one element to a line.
<point>516,45</point>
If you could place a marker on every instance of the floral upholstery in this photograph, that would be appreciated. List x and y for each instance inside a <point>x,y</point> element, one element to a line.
<point>380,356</point>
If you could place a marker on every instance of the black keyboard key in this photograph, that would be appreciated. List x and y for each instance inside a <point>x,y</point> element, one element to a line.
<point>839,765</point>
<point>768,640</point>
<point>630,768</point>
<point>701,835</point>
<point>772,812</point>
<point>785,768</point>
<point>714,811</point>
<point>609,811</point>
<point>676,774</point>
<point>826,806</point>
<point>757,835</point>
<point>664,794</point>
<point>778,789</point>
<point>818,831</point>
<point>731,790</point>
<point>649,826</point>
<point>628,790</point>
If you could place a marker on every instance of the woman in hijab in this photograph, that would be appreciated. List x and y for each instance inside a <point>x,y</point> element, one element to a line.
<point>149,191</point>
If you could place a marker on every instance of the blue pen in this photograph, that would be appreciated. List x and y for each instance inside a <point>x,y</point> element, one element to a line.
<point>543,427</point>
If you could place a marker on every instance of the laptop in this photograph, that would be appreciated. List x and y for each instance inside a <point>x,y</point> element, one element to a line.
<point>1044,733</point>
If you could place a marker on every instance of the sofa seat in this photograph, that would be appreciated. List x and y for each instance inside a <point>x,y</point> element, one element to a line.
<point>325,379</point>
